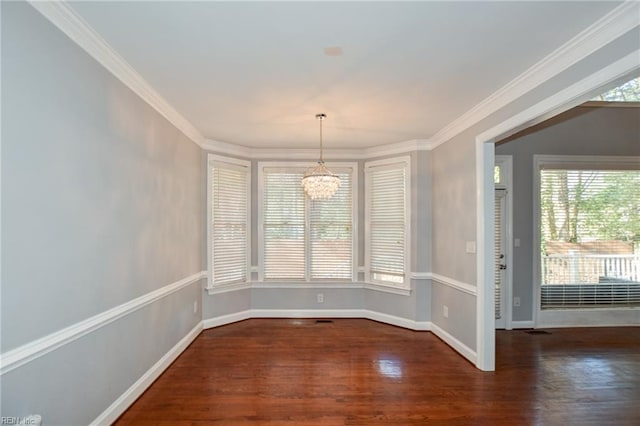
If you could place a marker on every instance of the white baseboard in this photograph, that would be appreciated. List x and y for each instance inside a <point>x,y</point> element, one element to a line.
<point>398,321</point>
<point>522,324</point>
<point>456,344</point>
<point>319,313</point>
<point>226,319</point>
<point>308,313</point>
<point>126,399</point>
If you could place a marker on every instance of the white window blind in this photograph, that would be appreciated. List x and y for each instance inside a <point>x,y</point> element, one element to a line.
<point>590,237</point>
<point>331,234</point>
<point>284,225</point>
<point>304,240</point>
<point>387,223</point>
<point>229,222</point>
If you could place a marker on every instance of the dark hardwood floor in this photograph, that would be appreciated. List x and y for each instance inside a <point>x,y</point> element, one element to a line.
<point>360,372</point>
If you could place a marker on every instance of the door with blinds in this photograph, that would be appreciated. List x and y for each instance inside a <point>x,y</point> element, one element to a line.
<point>500,256</point>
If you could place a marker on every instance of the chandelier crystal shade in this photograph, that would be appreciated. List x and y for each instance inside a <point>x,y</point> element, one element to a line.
<point>320,183</point>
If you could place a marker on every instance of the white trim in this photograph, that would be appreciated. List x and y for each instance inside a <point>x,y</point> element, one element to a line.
<point>228,287</point>
<point>456,344</point>
<point>121,404</point>
<point>311,154</point>
<point>308,313</point>
<point>506,164</point>
<point>421,275</point>
<point>236,164</point>
<point>453,283</point>
<point>28,352</point>
<point>485,301</point>
<point>230,160</point>
<point>610,162</point>
<point>309,285</point>
<point>563,100</point>
<point>553,317</point>
<point>318,313</point>
<point>611,26</point>
<point>66,19</point>
<point>398,321</point>
<point>302,167</point>
<point>226,319</point>
<point>387,288</point>
<point>306,284</point>
<point>543,110</point>
<point>405,161</point>
<point>522,324</point>
<point>608,28</point>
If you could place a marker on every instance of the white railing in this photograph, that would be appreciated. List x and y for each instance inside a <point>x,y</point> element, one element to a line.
<point>579,268</point>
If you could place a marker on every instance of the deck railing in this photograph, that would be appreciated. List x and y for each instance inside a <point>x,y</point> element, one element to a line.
<point>583,269</point>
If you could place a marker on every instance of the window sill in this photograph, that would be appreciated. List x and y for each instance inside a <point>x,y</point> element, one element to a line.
<point>301,285</point>
<point>306,284</point>
<point>387,289</point>
<point>217,289</point>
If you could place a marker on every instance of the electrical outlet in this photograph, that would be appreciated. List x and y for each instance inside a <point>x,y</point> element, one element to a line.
<point>471,247</point>
<point>195,306</point>
<point>516,302</point>
<point>320,298</point>
<point>445,311</point>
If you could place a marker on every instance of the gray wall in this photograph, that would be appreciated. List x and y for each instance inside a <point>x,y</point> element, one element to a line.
<point>414,307</point>
<point>101,202</point>
<point>580,131</point>
<point>454,180</point>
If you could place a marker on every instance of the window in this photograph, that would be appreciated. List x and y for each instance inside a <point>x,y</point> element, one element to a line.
<point>627,92</point>
<point>303,239</point>
<point>589,227</point>
<point>228,220</point>
<point>387,221</point>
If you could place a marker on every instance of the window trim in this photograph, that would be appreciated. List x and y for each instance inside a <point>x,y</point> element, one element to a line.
<point>405,160</point>
<point>574,162</point>
<point>211,159</point>
<point>303,166</point>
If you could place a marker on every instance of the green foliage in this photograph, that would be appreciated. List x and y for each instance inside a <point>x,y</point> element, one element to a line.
<point>614,212</point>
<point>586,205</point>
<point>627,92</point>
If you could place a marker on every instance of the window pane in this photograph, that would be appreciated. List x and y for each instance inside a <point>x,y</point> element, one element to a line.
<point>386,217</point>
<point>284,226</point>
<point>331,231</point>
<point>306,239</point>
<point>590,234</point>
<point>229,224</point>
<point>627,92</point>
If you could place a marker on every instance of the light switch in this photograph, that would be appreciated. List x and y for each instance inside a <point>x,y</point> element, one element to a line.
<point>516,242</point>
<point>471,246</point>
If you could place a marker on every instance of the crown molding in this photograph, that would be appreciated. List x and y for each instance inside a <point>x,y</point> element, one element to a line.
<point>312,153</point>
<point>563,100</point>
<point>67,20</point>
<point>611,26</point>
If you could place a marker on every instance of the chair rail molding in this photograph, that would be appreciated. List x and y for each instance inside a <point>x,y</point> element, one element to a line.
<point>21,355</point>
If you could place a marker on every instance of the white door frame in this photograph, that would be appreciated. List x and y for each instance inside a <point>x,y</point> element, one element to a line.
<point>506,168</point>
<point>562,101</point>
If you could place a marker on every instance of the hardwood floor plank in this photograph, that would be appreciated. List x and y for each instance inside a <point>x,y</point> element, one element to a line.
<point>360,372</point>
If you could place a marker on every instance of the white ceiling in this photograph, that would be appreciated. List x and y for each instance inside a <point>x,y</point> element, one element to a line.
<point>255,73</point>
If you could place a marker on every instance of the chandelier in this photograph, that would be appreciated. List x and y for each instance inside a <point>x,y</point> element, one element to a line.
<point>320,183</point>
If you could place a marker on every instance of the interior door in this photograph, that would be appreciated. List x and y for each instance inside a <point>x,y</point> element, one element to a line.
<point>500,256</point>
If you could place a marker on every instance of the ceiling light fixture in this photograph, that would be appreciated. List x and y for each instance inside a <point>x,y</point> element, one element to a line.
<point>320,183</point>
